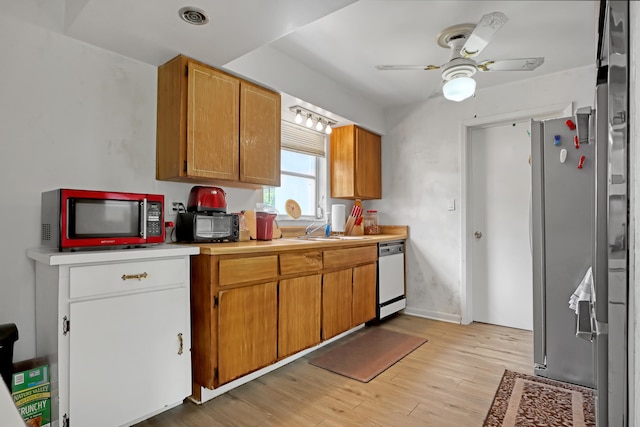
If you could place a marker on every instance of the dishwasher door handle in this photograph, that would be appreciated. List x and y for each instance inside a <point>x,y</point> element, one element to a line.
<point>390,250</point>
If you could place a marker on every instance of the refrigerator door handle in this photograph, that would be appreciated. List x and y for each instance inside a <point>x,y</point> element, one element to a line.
<point>584,321</point>
<point>530,221</point>
<point>584,124</point>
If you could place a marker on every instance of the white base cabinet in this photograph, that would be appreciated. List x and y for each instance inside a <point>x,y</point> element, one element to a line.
<point>115,327</point>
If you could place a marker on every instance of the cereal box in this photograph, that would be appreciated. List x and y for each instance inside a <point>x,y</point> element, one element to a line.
<point>32,395</point>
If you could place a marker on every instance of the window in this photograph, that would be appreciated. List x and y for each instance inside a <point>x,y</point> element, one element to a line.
<point>302,174</point>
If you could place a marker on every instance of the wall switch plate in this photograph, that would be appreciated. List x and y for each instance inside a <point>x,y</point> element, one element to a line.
<point>451,204</point>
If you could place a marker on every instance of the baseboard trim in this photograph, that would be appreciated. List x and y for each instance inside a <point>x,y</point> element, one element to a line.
<point>435,315</point>
<point>206,394</point>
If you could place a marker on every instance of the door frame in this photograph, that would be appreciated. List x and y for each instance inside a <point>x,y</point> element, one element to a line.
<point>466,127</point>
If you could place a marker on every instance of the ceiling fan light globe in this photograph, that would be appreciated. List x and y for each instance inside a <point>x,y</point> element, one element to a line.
<point>459,88</point>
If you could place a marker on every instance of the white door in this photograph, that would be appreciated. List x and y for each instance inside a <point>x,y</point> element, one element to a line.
<point>124,357</point>
<point>500,182</point>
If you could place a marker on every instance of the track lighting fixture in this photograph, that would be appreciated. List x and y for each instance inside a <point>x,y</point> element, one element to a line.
<point>322,123</point>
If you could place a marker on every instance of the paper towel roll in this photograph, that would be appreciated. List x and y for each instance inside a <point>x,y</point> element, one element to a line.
<point>337,218</point>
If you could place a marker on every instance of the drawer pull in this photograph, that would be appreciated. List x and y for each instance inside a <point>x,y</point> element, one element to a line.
<point>135,276</point>
<point>180,341</point>
<point>312,259</point>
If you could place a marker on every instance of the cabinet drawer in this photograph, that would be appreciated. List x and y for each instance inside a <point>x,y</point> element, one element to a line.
<point>350,257</point>
<point>102,279</point>
<point>300,262</point>
<point>247,269</point>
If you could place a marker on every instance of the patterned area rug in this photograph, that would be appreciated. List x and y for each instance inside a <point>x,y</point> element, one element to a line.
<point>526,400</point>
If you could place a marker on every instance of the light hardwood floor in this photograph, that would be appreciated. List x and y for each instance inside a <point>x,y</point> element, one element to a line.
<point>448,381</point>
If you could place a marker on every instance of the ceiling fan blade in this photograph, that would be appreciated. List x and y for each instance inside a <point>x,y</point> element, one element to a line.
<point>520,64</point>
<point>483,33</point>
<point>407,67</point>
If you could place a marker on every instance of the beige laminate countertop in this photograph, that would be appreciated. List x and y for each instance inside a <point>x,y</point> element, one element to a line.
<point>294,243</point>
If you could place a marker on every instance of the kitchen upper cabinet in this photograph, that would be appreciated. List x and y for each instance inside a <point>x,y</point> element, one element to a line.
<point>259,135</point>
<point>213,127</point>
<point>355,163</point>
<point>247,330</point>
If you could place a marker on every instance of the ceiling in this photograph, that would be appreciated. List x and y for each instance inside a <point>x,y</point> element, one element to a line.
<point>342,39</point>
<point>347,44</point>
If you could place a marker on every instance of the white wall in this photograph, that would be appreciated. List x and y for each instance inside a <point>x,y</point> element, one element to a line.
<point>277,70</point>
<point>73,116</point>
<point>421,170</point>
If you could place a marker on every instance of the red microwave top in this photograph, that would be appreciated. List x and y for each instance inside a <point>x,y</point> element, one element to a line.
<point>88,218</point>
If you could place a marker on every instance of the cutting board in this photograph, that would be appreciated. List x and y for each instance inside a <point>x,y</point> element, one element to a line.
<point>277,233</point>
<point>250,221</point>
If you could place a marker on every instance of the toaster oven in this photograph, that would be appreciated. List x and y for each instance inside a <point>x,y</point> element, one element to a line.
<point>194,227</point>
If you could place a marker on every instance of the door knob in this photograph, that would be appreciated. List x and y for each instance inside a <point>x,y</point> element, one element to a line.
<point>477,234</point>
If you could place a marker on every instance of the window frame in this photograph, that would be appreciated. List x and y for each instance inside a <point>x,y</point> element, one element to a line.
<point>321,181</point>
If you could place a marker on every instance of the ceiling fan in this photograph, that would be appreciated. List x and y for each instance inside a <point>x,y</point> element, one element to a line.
<point>466,41</point>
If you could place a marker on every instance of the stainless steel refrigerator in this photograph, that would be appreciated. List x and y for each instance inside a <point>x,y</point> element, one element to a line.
<point>563,219</point>
<point>610,307</point>
<point>580,219</point>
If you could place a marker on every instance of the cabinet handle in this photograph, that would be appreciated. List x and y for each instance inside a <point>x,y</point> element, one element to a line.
<point>135,276</point>
<point>180,341</point>
<point>313,258</point>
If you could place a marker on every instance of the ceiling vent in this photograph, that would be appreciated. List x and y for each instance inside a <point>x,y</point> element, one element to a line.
<point>193,15</point>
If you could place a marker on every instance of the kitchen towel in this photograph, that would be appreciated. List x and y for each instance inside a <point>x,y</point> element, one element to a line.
<point>337,218</point>
<point>583,292</point>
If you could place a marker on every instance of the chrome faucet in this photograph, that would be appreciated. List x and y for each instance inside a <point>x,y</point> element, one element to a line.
<point>313,227</point>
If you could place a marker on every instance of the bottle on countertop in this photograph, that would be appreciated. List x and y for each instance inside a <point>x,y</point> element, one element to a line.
<point>371,222</point>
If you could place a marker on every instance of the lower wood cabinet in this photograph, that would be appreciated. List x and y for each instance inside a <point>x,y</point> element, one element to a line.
<point>348,299</point>
<point>348,294</point>
<point>337,297</point>
<point>247,330</point>
<point>364,294</point>
<point>249,311</point>
<point>298,314</point>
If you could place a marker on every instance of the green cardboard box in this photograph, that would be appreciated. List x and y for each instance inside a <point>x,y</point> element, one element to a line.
<point>31,390</point>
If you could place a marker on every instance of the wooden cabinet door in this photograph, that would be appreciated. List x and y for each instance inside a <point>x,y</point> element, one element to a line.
<point>298,314</point>
<point>212,123</point>
<point>364,293</point>
<point>247,330</point>
<point>336,302</point>
<point>355,163</point>
<point>124,354</point>
<point>368,164</point>
<point>341,162</point>
<point>259,135</point>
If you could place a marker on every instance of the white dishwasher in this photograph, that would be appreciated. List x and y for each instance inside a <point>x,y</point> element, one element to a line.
<point>391,289</point>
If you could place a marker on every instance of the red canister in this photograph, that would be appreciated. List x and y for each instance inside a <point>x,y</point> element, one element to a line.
<point>264,225</point>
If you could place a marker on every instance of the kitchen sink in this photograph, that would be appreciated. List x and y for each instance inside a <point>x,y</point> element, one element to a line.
<point>325,238</point>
